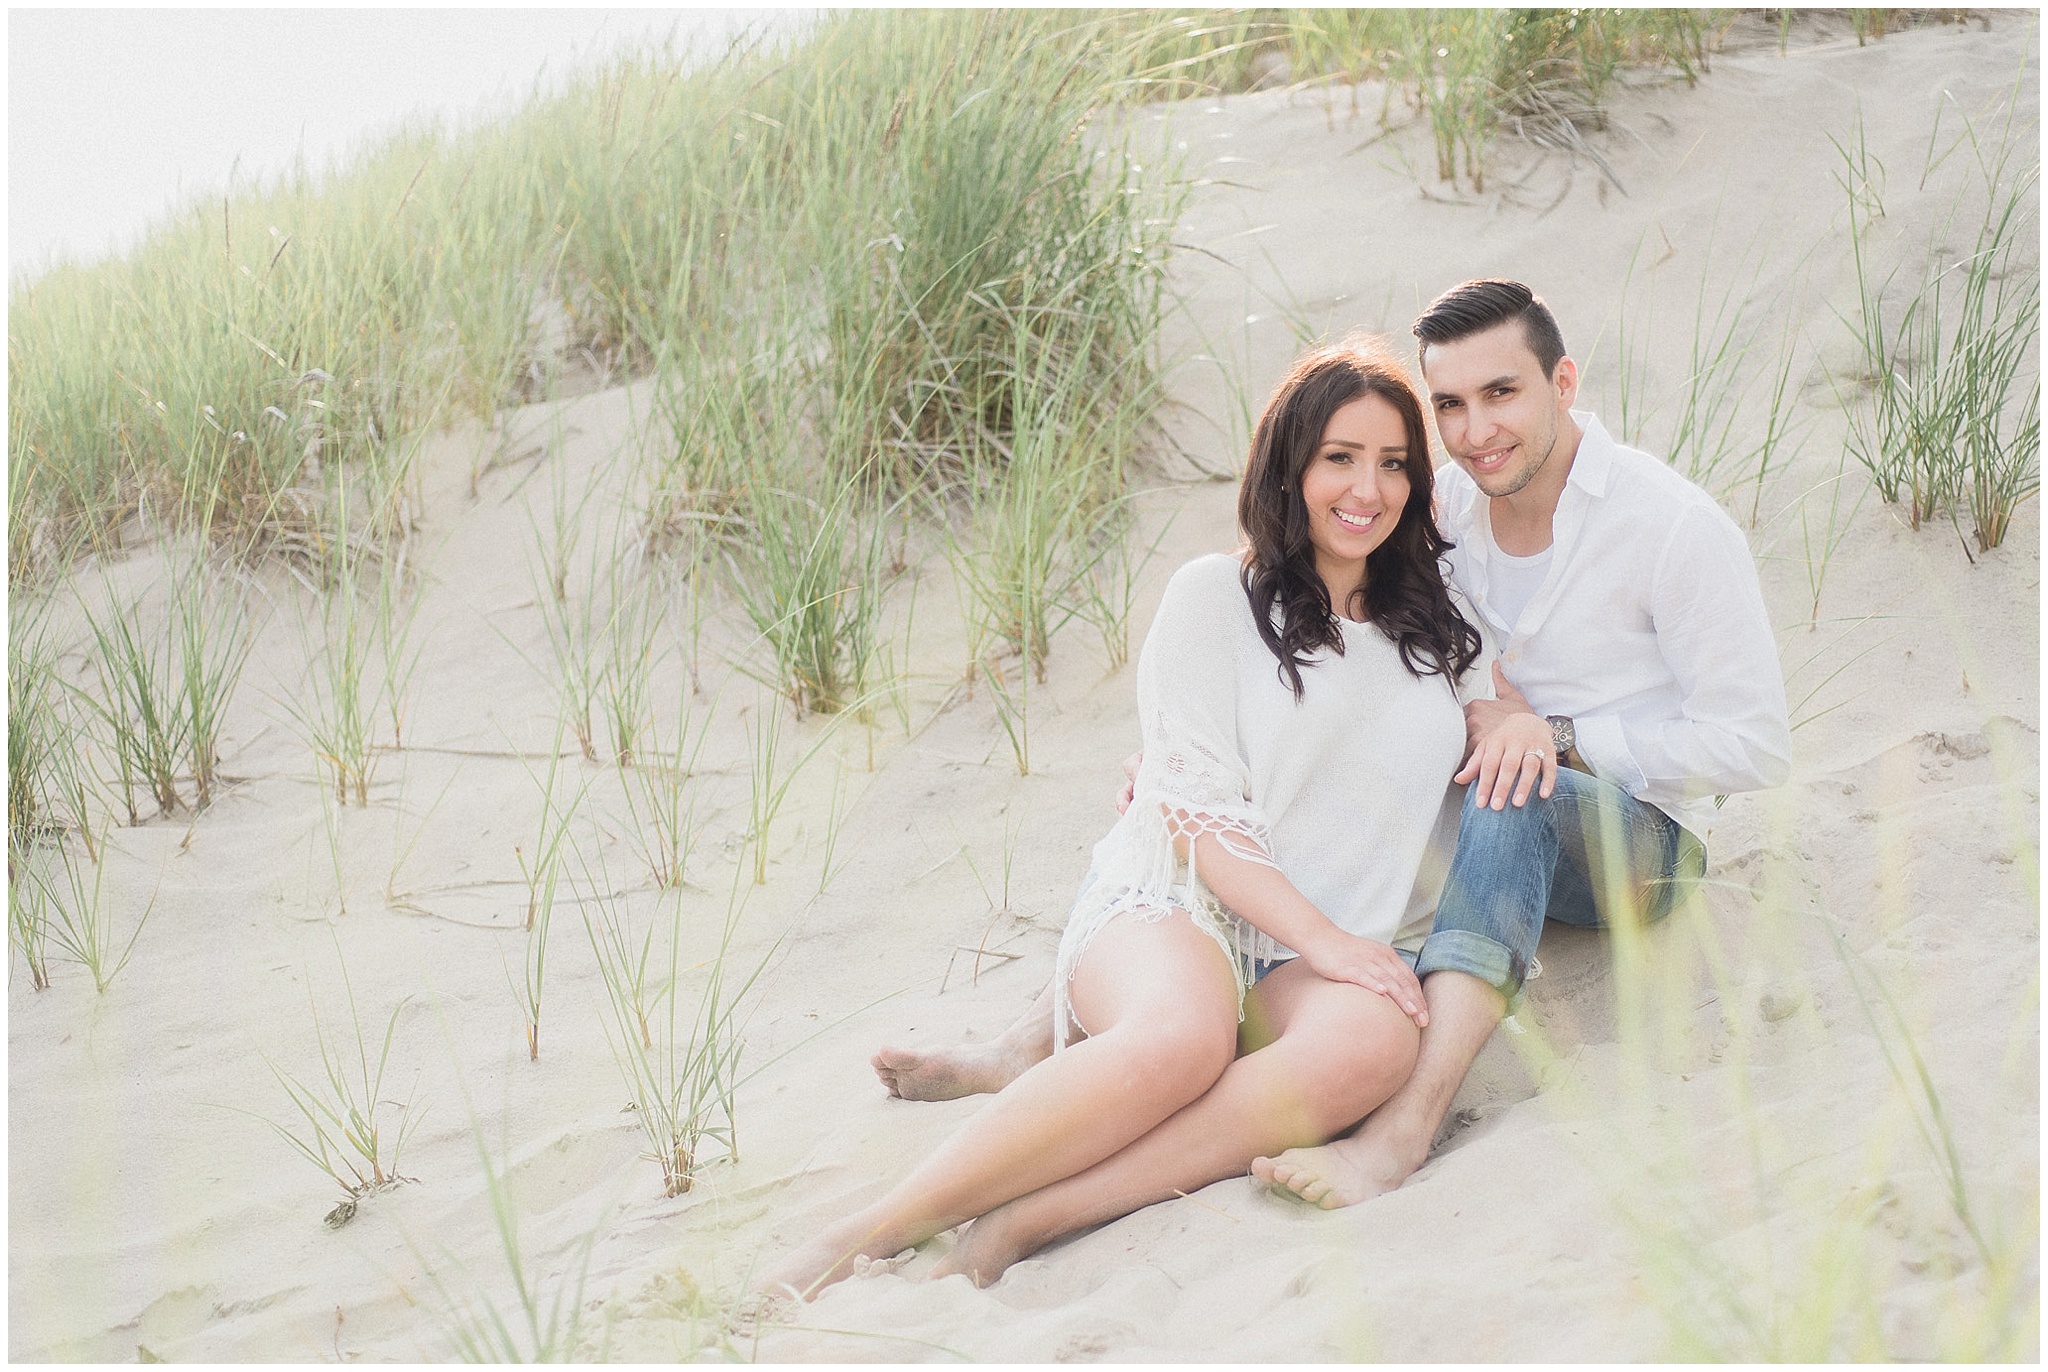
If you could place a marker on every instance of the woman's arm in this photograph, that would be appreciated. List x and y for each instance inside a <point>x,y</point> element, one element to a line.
<point>1262,896</point>
<point>1194,769</point>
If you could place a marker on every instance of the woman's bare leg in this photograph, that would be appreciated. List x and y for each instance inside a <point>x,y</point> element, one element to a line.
<point>1161,1001</point>
<point>1337,1051</point>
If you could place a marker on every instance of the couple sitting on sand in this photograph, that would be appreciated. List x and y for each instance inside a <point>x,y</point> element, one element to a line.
<point>1250,969</point>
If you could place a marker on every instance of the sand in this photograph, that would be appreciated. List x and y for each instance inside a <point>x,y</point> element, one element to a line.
<point>1590,1195</point>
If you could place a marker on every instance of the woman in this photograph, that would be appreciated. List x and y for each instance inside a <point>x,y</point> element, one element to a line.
<point>1300,722</point>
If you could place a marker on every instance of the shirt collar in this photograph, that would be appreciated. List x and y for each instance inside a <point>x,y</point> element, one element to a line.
<point>1594,461</point>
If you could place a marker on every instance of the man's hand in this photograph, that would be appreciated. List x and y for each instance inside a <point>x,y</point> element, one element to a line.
<point>1130,790</point>
<point>1369,963</point>
<point>1507,748</point>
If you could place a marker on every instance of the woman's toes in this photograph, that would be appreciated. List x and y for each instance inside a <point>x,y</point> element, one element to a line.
<point>864,1266</point>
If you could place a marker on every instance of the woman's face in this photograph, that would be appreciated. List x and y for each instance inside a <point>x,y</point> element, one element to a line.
<point>1355,488</point>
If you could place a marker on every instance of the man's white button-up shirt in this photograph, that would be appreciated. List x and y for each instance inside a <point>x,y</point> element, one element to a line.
<point>1649,632</point>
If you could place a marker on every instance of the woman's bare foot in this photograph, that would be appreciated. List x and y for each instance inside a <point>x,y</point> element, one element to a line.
<point>873,1241</point>
<point>1338,1174</point>
<point>985,1251</point>
<point>803,1274</point>
<point>968,1069</point>
<point>835,1255</point>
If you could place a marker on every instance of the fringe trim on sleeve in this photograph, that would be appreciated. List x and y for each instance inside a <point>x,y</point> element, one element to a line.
<point>1139,873</point>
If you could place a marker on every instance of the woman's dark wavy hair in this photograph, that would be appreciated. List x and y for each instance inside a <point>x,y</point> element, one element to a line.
<point>1403,591</point>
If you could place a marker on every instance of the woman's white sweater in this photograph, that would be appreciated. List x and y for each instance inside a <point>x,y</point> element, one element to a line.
<point>1343,791</point>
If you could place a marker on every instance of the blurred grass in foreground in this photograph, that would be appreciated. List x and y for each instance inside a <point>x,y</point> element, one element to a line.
<point>1784,1121</point>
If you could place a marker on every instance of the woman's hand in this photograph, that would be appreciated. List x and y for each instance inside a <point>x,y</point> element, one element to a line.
<point>1366,962</point>
<point>1130,790</point>
<point>1509,749</point>
<point>1263,897</point>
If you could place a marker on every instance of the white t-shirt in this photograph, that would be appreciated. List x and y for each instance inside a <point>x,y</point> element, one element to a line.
<point>1649,631</point>
<point>1342,790</point>
<point>1516,581</point>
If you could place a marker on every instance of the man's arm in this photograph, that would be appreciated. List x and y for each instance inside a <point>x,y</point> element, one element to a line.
<point>1715,636</point>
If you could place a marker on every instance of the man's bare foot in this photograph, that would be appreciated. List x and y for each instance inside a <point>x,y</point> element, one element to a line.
<point>968,1069</point>
<point>1338,1174</point>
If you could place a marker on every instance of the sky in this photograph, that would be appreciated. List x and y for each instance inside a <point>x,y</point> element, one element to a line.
<point>116,117</point>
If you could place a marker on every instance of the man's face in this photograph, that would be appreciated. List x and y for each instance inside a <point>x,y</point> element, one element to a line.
<point>1498,415</point>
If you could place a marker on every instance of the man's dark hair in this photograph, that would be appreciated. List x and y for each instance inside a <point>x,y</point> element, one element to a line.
<point>1477,306</point>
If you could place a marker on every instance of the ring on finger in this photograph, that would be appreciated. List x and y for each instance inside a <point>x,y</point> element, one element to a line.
<point>1535,752</point>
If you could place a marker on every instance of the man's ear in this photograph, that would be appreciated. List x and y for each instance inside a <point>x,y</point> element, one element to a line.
<point>1564,380</point>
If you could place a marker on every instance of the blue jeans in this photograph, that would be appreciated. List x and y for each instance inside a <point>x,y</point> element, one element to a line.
<point>1591,855</point>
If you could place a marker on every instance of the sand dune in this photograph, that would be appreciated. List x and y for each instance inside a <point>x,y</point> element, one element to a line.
<point>1592,1192</point>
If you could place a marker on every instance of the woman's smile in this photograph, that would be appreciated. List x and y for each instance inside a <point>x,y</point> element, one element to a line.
<point>1355,488</point>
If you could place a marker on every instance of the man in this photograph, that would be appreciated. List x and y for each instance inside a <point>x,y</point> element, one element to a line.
<point>1637,680</point>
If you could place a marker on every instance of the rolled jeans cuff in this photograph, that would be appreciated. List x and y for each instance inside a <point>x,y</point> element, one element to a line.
<point>1462,950</point>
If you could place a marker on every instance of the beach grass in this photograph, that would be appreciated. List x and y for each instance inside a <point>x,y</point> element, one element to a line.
<point>58,902</point>
<point>212,636</point>
<point>896,183</point>
<point>1043,506</point>
<point>904,262</point>
<point>398,650</point>
<point>28,922</point>
<point>1012,706</point>
<point>356,606</point>
<point>339,711</point>
<point>1952,419</point>
<point>396,896</point>
<point>33,737</point>
<point>137,702</point>
<point>662,793</point>
<point>772,771</point>
<point>1692,389</point>
<point>1723,335</point>
<point>1821,536</point>
<point>33,744</point>
<point>310,325</point>
<point>808,573</point>
<point>542,870</point>
<point>545,1317</point>
<point>341,1126</point>
<point>577,618</point>
<point>634,634</point>
<point>625,955</point>
<point>678,1042</point>
<point>142,713</point>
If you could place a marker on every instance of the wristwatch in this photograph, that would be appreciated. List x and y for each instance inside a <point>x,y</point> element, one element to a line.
<point>1563,738</point>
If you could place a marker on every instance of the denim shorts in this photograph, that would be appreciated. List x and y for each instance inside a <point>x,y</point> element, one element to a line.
<point>1261,966</point>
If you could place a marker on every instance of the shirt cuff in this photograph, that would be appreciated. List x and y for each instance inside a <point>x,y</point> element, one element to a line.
<point>1604,746</point>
